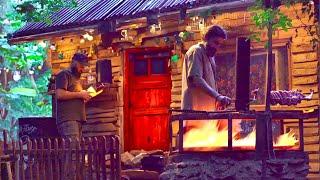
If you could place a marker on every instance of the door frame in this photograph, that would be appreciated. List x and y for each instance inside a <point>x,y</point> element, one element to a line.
<point>127,144</point>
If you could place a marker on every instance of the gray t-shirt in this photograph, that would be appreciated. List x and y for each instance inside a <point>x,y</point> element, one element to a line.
<point>71,109</point>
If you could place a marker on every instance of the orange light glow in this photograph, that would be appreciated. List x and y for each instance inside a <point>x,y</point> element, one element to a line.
<point>210,137</point>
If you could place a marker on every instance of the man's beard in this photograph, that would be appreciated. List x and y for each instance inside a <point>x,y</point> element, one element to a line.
<point>211,51</point>
<point>75,72</point>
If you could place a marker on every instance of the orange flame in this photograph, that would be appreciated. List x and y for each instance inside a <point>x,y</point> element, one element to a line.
<point>210,137</point>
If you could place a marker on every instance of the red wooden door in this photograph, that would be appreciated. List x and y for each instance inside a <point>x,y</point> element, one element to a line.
<point>148,99</point>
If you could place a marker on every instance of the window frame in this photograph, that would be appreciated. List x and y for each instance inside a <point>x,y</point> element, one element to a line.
<point>259,48</point>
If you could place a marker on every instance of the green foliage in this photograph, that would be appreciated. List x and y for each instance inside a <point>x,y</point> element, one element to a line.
<point>262,16</point>
<point>40,10</point>
<point>26,96</point>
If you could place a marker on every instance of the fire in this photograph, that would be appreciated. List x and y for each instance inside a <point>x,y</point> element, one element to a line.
<point>212,137</point>
<point>287,139</point>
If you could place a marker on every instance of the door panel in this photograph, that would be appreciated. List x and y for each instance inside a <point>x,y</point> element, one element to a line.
<point>149,99</point>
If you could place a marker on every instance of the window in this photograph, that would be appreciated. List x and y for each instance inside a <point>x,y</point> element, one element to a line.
<point>226,73</point>
<point>158,66</point>
<point>141,67</point>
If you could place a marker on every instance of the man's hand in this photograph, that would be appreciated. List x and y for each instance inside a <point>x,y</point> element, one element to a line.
<point>223,101</point>
<point>85,95</point>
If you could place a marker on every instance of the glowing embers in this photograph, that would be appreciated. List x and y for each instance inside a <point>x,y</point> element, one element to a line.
<point>213,136</point>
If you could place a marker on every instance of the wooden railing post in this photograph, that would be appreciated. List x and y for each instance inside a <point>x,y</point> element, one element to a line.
<point>36,158</point>
<point>21,160</point>
<point>180,138</point>
<point>117,157</point>
<point>77,143</point>
<point>51,160</point>
<point>56,159</point>
<point>301,138</point>
<point>111,150</point>
<point>30,163</point>
<point>49,154</point>
<point>63,157</point>
<point>90,158</point>
<point>229,132</point>
<point>103,157</point>
<point>43,159</point>
<point>83,158</point>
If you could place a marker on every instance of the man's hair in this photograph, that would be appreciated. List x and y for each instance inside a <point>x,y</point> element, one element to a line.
<point>81,58</point>
<point>215,31</point>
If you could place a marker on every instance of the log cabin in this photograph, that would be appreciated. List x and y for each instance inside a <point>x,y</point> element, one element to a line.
<point>145,42</point>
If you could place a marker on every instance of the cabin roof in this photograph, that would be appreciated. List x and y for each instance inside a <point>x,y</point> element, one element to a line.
<point>91,12</point>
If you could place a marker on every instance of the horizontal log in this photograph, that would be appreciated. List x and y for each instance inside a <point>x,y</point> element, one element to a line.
<point>99,127</point>
<point>314,167</point>
<point>303,65</point>
<point>176,84</point>
<point>94,110</point>
<point>301,39</point>
<point>304,72</point>
<point>311,147</point>
<point>176,92</point>
<point>198,115</point>
<point>116,61</point>
<point>176,97</point>
<point>175,105</point>
<point>311,139</point>
<point>311,134</point>
<point>175,71</point>
<point>311,103</point>
<point>306,88</point>
<point>302,48</point>
<point>301,22</point>
<point>304,80</point>
<point>177,77</point>
<point>304,57</point>
<point>97,121</point>
<point>102,104</point>
<point>116,69</point>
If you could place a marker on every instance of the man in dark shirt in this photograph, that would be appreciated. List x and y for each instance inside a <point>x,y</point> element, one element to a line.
<point>71,98</point>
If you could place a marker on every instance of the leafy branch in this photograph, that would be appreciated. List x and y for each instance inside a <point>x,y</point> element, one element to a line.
<point>262,16</point>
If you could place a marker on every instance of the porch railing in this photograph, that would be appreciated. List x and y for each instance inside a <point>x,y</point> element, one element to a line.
<point>91,158</point>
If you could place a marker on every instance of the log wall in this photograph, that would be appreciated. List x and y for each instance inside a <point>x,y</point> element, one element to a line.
<point>303,63</point>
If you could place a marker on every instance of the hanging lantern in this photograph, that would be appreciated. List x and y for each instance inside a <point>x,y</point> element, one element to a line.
<point>42,44</point>
<point>16,76</point>
<point>90,38</point>
<point>31,72</point>
<point>6,22</point>
<point>175,58</point>
<point>53,47</point>
<point>154,28</point>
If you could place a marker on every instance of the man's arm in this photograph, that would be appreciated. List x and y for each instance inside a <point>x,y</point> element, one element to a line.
<point>200,82</point>
<point>63,94</point>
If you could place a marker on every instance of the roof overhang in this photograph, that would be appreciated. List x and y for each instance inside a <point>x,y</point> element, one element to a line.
<point>48,34</point>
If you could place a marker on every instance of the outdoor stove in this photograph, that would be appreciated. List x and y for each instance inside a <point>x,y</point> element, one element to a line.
<point>231,140</point>
<point>251,144</point>
<point>239,158</point>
